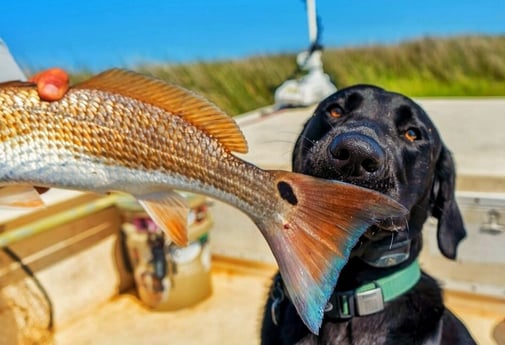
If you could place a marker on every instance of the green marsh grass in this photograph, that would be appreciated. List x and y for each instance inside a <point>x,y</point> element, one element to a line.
<point>430,67</point>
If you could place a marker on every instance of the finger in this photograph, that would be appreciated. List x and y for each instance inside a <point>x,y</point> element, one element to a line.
<point>52,84</point>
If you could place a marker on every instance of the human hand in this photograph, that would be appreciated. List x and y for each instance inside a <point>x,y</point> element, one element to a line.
<point>52,84</point>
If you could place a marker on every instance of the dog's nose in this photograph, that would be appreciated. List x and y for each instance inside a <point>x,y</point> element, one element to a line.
<point>356,154</point>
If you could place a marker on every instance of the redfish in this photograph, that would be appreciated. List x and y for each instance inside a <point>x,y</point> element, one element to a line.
<point>122,131</point>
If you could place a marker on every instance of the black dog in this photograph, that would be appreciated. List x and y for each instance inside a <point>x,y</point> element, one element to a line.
<point>384,141</point>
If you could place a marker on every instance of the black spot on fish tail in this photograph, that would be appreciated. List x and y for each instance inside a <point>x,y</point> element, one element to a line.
<point>287,192</point>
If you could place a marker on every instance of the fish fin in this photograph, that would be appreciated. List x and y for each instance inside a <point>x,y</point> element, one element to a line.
<point>173,99</point>
<point>312,236</point>
<point>20,196</point>
<point>169,211</point>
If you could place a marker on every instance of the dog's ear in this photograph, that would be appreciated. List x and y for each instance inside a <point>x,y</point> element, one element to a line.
<point>450,230</point>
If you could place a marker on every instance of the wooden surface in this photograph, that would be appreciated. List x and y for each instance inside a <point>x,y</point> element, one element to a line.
<point>76,268</point>
<point>230,316</point>
<point>55,201</point>
<point>479,314</point>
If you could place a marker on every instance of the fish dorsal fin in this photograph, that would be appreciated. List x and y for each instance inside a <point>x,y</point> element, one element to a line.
<point>173,99</point>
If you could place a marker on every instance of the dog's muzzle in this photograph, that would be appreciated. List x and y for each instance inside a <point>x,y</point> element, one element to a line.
<point>357,155</point>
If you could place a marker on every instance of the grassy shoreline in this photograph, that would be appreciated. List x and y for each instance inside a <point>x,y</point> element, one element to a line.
<point>430,67</point>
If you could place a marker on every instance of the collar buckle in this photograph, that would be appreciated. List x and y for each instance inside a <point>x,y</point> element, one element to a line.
<point>345,305</point>
<point>341,305</point>
<point>369,302</point>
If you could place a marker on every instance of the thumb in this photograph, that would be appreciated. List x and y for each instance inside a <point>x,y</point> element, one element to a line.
<point>52,84</point>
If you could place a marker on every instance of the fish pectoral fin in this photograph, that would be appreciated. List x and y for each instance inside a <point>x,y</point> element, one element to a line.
<point>169,211</point>
<point>20,196</point>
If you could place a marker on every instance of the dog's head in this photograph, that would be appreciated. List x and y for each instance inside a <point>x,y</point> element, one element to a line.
<point>384,141</point>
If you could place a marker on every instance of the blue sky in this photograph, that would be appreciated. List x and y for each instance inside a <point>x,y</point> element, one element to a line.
<point>99,34</point>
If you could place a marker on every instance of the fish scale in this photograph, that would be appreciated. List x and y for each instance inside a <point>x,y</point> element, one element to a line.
<point>122,131</point>
<point>144,147</point>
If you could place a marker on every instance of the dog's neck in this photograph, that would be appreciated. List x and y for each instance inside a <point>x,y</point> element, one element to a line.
<point>376,274</point>
<point>382,255</point>
<point>358,272</point>
<point>371,298</point>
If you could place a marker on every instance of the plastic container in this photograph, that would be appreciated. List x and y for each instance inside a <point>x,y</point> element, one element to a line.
<point>168,277</point>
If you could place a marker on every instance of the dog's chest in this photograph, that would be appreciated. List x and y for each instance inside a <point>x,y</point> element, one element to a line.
<point>354,332</point>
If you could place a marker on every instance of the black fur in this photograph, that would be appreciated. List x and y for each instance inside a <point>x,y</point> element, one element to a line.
<point>384,141</point>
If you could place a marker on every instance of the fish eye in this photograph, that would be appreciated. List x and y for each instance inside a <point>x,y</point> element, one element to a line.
<point>412,134</point>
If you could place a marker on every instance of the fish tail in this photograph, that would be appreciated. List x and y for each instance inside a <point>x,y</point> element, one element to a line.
<point>313,231</point>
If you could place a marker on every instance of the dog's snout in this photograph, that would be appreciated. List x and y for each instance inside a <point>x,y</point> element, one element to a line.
<point>356,154</point>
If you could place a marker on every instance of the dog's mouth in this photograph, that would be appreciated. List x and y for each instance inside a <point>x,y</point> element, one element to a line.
<point>384,227</point>
<point>392,224</point>
<point>384,185</point>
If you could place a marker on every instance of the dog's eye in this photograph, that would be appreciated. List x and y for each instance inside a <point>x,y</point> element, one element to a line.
<point>334,112</point>
<point>412,134</point>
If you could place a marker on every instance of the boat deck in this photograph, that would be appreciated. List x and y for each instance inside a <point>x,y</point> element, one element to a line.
<point>90,298</point>
<point>231,315</point>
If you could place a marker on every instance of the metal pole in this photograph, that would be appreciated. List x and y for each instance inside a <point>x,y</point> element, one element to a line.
<point>312,19</point>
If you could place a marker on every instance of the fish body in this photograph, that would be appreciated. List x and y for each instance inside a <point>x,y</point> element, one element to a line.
<point>98,141</point>
<point>121,131</point>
